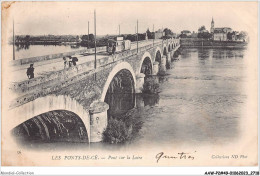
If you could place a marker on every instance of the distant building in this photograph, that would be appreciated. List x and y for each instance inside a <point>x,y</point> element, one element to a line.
<point>174,35</point>
<point>158,34</point>
<point>235,35</point>
<point>186,32</point>
<point>194,35</point>
<point>220,34</point>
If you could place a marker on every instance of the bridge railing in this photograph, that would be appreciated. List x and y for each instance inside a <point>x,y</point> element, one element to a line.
<point>68,73</point>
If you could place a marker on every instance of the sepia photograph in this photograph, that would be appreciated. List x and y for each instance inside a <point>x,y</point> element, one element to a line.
<point>129,83</point>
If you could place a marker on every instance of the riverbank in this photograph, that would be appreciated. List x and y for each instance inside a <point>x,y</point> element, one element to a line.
<point>202,43</point>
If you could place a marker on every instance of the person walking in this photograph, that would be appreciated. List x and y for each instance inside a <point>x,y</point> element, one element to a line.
<point>65,59</point>
<point>30,72</point>
<point>114,49</point>
<point>74,60</point>
<point>70,61</point>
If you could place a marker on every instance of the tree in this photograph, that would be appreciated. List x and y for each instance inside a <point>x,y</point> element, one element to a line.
<point>201,29</point>
<point>242,35</point>
<point>27,38</point>
<point>18,38</point>
<point>204,35</point>
<point>141,36</point>
<point>131,37</point>
<point>167,32</point>
<point>149,34</point>
<point>183,36</point>
<point>85,37</point>
<point>230,35</point>
<point>91,37</point>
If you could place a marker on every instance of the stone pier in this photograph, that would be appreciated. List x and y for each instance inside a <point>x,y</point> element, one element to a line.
<point>168,60</point>
<point>155,68</point>
<point>98,120</point>
<point>162,69</point>
<point>139,82</point>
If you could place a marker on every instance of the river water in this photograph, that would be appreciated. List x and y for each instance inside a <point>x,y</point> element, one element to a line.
<point>27,51</point>
<point>201,101</point>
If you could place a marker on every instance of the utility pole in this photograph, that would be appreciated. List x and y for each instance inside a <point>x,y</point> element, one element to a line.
<point>13,43</point>
<point>137,36</point>
<point>119,29</point>
<point>88,34</point>
<point>153,35</point>
<point>95,42</point>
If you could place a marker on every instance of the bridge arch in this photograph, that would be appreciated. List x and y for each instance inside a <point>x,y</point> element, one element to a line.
<point>50,103</point>
<point>146,64</point>
<point>52,126</point>
<point>164,50</point>
<point>158,56</point>
<point>119,67</point>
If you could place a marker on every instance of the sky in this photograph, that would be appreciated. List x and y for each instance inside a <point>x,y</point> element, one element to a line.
<point>64,18</point>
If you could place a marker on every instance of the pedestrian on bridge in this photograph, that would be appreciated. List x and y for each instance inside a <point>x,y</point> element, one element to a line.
<point>114,49</point>
<point>74,61</point>
<point>66,62</point>
<point>30,72</point>
<point>70,61</point>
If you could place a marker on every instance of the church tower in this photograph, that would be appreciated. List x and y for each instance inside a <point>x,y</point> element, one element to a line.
<point>212,26</point>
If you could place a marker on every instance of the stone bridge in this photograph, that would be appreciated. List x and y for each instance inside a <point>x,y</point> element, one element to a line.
<point>82,89</point>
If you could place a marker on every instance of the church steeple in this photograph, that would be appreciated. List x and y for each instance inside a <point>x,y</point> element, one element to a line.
<point>212,25</point>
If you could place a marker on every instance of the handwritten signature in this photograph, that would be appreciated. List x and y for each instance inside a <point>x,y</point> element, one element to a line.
<point>181,155</point>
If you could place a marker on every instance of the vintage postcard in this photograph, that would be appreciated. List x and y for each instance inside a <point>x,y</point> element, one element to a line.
<point>129,83</point>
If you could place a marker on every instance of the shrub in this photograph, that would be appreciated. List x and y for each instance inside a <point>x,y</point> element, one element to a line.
<point>151,85</point>
<point>122,128</point>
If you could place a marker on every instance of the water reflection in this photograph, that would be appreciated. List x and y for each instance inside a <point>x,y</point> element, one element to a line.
<point>33,50</point>
<point>203,54</point>
<point>22,47</point>
<point>120,103</point>
<point>191,53</point>
<point>143,100</point>
<point>228,53</point>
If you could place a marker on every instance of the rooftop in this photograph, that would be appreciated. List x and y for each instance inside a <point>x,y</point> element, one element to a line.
<point>222,30</point>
